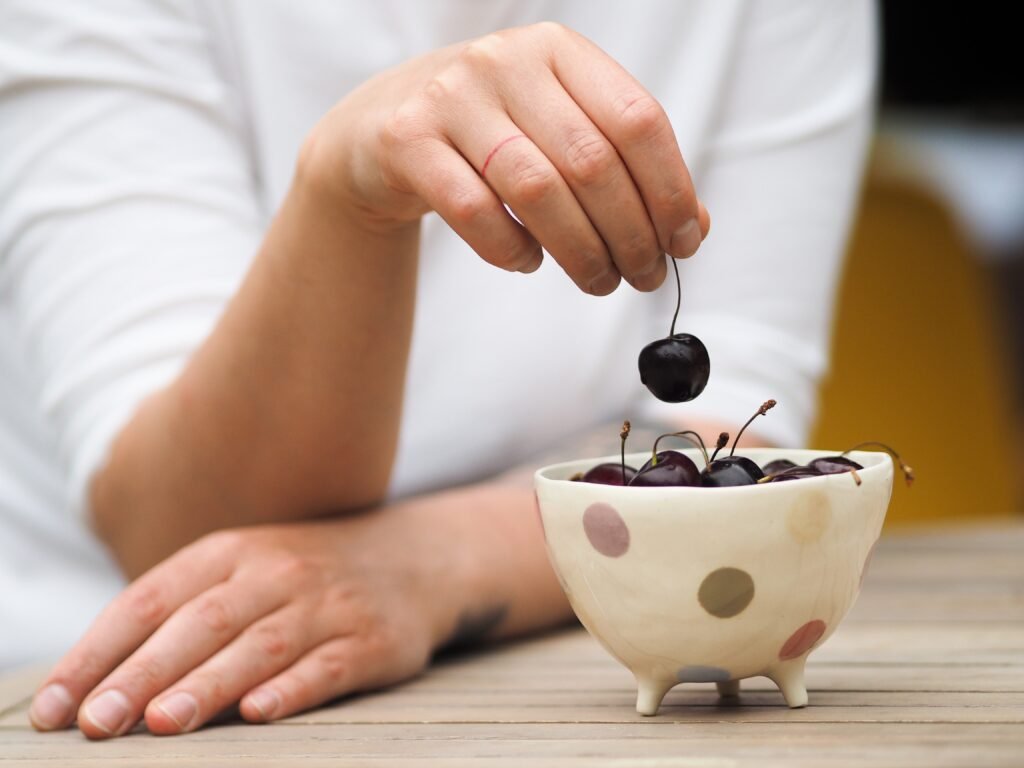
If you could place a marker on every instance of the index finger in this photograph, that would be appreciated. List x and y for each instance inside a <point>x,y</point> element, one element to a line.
<point>637,126</point>
<point>121,628</point>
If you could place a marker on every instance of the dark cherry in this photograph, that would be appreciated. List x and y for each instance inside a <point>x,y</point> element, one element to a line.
<point>778,465</point>
<point>796,472</point>
<point>675,369</point>
<point>833,465</point>
<point>667,468</point>
<point>734,470</point>
<point>730,471</point>
<point>609,473</point>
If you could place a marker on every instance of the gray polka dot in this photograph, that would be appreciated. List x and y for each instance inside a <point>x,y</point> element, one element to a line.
<point>701,674</point>
<point>726,592</point>
<point>606,530</point>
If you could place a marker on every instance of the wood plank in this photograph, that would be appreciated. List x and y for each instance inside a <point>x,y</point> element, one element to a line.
<point>560,744</point>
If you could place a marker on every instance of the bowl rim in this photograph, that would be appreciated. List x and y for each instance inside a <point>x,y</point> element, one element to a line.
<point>876,464</point>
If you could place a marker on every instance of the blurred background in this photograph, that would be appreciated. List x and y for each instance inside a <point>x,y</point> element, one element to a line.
<point>929,336</point>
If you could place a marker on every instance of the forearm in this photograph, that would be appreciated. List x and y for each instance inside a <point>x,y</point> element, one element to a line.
<point>292,405</point>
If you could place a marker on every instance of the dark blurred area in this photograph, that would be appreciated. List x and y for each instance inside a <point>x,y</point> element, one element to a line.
<point>953,59</point>
<point>929,339</point>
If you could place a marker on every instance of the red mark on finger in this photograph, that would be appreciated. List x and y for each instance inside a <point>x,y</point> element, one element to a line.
<point>499,145</point>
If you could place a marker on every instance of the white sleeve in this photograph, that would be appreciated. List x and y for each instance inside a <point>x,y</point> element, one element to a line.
<point>781,179</point>
<point>129,210</point>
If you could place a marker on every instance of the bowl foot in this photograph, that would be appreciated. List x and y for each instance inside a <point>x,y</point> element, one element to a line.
<point>789,676</point>
<point>730,689</point>
<point>649,694</point>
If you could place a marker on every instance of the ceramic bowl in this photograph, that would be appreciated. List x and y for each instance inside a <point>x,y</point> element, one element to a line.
<point>714,584</point>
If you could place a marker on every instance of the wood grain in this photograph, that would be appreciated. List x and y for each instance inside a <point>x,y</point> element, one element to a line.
<point>928,669</point>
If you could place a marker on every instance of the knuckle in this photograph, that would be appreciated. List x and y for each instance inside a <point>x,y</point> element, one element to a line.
<point>443,87</point>
<point>590,158</point>
<point>550,30</point>
<point>466,207</point>
<point>145,604</point>
<point>335,664</point>
<point>483,52</point>
<point>214,614</point>
<point>144,676</point>
<point>223,544</point>
<point>641,116</point>
<point>682,201</point>
<point>638,251</point>
<point>533,180</point>
<point>291,569</point>
<point>272,640</point>
<point>400,128</point>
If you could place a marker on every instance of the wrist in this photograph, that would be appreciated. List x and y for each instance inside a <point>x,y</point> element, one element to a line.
<point>493,577</point>
<point>343,182</point>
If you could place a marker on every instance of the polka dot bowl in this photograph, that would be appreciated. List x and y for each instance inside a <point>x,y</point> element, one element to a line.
<point>714,584</point>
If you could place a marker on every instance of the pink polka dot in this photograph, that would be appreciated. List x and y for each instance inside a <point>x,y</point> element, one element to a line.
<point>801,641</point>
<point>606,530</point>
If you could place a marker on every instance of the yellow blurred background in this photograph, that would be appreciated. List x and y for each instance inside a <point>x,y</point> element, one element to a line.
<point>919,359</point>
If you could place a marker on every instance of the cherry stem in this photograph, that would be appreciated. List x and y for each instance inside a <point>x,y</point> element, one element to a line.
<point>685,434</point>
<point>622,448</point>
<point>766,406</point>
<point>723,440</point>
<point>908,473</point>
<point>679,297</point>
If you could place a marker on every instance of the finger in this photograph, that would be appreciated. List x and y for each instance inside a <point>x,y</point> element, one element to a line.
<point>523,176</point>
<point>263,650</point>
<point>637,126</point>
<point>594,172</point>
<point>124,625</point>
<point>193,634</point>
<point>449,185</point>
<point>335,668</point>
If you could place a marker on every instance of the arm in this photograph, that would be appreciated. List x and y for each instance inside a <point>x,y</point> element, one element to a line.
<point>128,225</point>
<point>271,418</point>
<point>290,407</point>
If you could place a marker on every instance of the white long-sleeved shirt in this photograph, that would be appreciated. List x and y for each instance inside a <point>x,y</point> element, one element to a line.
<point>144,146</point>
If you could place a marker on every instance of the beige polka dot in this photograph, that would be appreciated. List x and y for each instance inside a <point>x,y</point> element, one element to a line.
<point>726,592</point>
<point>809,518</point>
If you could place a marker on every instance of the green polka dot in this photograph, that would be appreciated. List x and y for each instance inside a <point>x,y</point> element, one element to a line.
<point>726,592</point>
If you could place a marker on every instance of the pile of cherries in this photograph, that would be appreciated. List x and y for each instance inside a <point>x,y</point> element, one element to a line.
<point>666,468</point>
<point>676,369</point>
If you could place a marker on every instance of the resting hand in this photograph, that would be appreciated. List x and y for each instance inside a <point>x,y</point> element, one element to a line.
<point>538,118</point>
<point>277,618</point>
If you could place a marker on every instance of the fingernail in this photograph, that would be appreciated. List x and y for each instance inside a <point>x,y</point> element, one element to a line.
<point>181,707</point>
<point>108,711</point>
<point>605,284</point>
<point>52,708</point>
<point>266,702</point>
<point>685,240</point>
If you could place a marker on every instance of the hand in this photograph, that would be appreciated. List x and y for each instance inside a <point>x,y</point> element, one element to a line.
<point>278,618</point>
<point>536,117</point>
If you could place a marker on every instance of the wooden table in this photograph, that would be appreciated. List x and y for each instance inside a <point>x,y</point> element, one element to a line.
<point>928,670</point>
